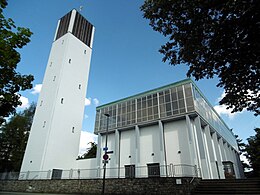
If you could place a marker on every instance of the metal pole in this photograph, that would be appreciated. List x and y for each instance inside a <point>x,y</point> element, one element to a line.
<point>105,163</point>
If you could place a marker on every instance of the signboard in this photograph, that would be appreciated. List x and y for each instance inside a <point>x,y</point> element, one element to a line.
<point>105,156</point>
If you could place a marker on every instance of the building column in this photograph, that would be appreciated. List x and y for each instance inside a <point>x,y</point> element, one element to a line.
<point>226,154</point>
<point>229,155</point>
<point>116,154</point>
<point>222,149</point>
<point>240,166</point>
<point>163,160</point>
<point>192,148</point>
<point>232,159</point>
<point>236,168</point>
<point>99,153</point>
<point>217,156</point>
<point>210,154</point>
<point>137,145</point>
<point>201,147</point>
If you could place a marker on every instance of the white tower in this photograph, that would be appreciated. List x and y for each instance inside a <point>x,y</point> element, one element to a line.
<point>55,133</point>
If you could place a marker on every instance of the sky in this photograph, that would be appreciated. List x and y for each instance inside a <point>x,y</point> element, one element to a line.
<point>125,58</point>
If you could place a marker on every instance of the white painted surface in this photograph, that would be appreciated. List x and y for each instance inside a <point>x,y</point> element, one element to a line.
<point>149,145</point>
<point>55,133</point>
<point>127,147</point>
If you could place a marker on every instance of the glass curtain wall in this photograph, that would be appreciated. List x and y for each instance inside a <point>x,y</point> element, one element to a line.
<point>158,104</point>
<point>210,115</point>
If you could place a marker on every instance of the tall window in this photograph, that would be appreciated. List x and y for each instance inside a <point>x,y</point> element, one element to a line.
<point>164,103</point>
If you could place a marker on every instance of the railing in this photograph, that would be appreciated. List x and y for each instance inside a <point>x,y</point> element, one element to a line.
<point>184,170</point>
<point>132,171</point>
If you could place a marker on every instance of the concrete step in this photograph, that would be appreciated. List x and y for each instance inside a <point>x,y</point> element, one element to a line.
<point>239,187</point>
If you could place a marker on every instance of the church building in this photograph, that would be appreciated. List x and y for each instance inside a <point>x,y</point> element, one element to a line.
<point>169,131</point>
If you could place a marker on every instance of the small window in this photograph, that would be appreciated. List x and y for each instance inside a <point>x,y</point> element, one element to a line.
<point>56,174</point>
<point>73,128</point>
<point>153,170</point>
<point>129,171</point>
<point>61,101</point>
<point>85,51</point>
<point>69,60</point>
<point>41,103</point>
<point>62,42</point>
<point>54,78</point>
<point>79,86</point>
<point>44,124</point>
<point>51,64</point>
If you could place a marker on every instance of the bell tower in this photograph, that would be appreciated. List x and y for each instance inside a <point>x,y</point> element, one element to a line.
<point>55,133</point>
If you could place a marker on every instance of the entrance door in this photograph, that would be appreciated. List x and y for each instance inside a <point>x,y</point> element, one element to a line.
<point>129,171</point>
<point>229,170</point>
<point>153,170</point>
<point>56,174</point>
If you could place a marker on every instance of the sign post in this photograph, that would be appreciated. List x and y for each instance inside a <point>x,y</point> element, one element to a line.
<point>105,157</point>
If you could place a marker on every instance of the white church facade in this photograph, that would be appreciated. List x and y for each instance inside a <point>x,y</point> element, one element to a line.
<point>171,131</point>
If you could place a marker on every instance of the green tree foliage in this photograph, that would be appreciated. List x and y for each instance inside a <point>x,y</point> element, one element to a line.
<point>11,82</point>
<point>213,38</point>
<point>13,139</point>
<point>242,152</point>
<point>253,152</point>
<point>91,152</point>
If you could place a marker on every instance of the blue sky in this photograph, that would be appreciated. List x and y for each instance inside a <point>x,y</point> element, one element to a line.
<point>125,59</point>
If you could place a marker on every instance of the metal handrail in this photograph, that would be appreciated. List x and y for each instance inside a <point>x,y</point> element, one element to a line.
<point>177,170</point>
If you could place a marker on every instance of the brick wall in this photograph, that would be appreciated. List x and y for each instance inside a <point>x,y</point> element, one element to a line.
<point>94,186</point>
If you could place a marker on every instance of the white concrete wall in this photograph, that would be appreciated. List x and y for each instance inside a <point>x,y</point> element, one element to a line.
<point>112,168</point>
<point>67,116</point>
<point>201,150</point>
<point>55,134</point>
<point>41,123</point>
<point>149,148</point>
<point>178,146</point>
<point>86,169</point>
<point>149,145</point>
<point>210,153</point>
<point>127,149</point>
<point>184,142</point>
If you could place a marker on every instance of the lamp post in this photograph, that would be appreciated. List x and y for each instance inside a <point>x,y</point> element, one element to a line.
<point>105,160</point>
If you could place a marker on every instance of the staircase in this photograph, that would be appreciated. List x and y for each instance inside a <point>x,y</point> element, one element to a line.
<point>232,186</point>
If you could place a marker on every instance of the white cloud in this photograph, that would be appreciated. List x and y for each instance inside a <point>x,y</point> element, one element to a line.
<point>85,138</point>
<point>222,109</point>
<point>96,101</point>
<point>87,101</point>
<point>37,89</point>
<point>25,102</point>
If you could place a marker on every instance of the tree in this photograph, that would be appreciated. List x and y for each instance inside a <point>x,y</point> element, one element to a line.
<point>214,38</point>
<point>11,82</point>
<point>13,139</point>
<point>253,152</point>
<point>242,152</point>
<point>90,153</point>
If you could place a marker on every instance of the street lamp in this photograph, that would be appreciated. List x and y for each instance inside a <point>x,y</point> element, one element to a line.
<point>105,156</point>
